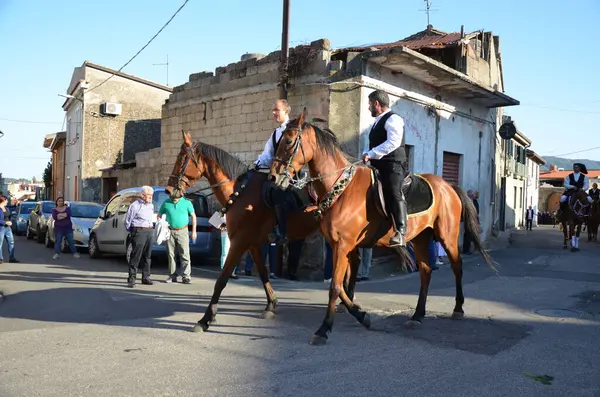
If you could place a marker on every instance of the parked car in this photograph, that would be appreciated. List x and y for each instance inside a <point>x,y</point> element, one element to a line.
<point>20,217</point>
<point>38,218</point>
<point>83,215</point>
<point>108,235</point>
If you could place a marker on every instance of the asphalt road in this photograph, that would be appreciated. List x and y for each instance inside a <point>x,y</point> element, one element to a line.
<point>71,328</point>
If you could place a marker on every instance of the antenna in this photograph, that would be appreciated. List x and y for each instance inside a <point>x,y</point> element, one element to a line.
<point>164,64</point>
<point>428,11</point>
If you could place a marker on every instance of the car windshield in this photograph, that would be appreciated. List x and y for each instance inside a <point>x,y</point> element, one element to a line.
<point>26,208</point>
<point>85,210</point>
<point>48,207</point>
<point>198,202</point>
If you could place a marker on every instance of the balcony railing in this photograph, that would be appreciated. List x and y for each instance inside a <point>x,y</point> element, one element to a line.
<point>520,170</point>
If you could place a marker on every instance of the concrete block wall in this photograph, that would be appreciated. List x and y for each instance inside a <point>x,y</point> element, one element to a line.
<point>231,109</point>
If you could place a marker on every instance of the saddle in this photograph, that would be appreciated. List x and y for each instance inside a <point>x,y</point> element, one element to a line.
<point>416,190</point>
<point>305,198</point>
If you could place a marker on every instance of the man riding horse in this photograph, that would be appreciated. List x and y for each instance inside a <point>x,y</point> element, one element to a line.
<point>284,201</point>
<point>594,193</point>
<point>388,155</point>
<point>575,181</point>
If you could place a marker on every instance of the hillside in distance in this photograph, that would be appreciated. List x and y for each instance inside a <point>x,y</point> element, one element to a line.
<point>567,164</point>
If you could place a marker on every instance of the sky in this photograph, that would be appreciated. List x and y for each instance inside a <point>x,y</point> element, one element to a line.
<point>548,53</point>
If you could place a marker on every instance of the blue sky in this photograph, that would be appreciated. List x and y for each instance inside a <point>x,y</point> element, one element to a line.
<point>548,51</point>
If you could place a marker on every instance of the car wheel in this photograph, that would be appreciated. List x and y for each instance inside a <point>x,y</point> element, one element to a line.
<point>40,237</point>
<point>129,251</point>
<point>28,233</point>
<point>47,240</point>
<point>93,250</point>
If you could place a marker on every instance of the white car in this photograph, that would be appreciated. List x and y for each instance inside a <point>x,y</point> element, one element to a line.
<point>83,215</point>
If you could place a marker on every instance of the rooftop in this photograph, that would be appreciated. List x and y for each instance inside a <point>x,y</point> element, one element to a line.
<point>546,175</point>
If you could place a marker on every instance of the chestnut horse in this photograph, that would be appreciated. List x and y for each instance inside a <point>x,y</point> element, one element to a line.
<point>350,217</point>
<point>249,221</point>
<point>593,221</point>
<point>573,217</point>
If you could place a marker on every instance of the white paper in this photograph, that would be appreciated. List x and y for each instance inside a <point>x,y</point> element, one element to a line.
<point>216,219</point>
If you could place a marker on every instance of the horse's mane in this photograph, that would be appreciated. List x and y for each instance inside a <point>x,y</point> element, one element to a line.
<point>231,165</point>
<point>326,138</point>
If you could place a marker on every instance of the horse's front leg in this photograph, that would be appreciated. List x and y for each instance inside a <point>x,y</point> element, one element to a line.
<point>565,231</point>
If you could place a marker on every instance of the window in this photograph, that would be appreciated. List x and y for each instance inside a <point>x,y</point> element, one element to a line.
<point>515,199</point>
<point>451,168</point>
<point>111,207</point>
<point>47,207</point>
<point>127,200</point>
<point>521,197</point>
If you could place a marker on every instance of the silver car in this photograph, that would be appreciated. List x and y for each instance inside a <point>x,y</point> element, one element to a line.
<point>83,215</point>
<point>108,235</point>
<point>20,217</point>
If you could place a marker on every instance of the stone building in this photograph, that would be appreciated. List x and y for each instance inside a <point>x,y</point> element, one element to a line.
<point>111,116</point>
<point>56,144</point>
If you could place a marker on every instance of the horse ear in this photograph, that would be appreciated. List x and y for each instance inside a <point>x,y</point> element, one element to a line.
<point>187,139</point>
<point>302,117</point>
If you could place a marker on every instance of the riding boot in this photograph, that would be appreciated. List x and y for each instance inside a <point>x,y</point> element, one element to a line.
<point>400,217</point>
<point>279,234</point>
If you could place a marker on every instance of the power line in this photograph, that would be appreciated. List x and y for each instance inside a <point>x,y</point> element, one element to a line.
<point>142,49</point>
<point>29,121</point>
<point>559,109</point>
<point>578,151</point>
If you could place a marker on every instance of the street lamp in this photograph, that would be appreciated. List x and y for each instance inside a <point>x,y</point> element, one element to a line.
<point>70,97</point>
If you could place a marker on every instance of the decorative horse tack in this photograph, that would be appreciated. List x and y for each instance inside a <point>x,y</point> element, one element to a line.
<point>335,192</point>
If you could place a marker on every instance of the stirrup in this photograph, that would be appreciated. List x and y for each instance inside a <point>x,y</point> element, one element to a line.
<point>398,240</point>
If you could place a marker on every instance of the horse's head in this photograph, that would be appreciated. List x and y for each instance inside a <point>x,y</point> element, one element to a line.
<point>294,150</point>
<point>579,203</point>
<point>302,143</point>
<point>187,170</point>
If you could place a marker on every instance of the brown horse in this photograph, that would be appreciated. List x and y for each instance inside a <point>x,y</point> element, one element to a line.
<point>248,219</point>
<point>352,215</point>
<point>593,221</point>
<point>573,217</point>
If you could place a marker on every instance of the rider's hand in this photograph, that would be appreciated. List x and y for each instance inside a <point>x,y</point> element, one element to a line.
<point>365,158</point>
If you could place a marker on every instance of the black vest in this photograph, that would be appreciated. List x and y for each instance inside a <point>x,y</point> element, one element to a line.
<point>578,183</point>
<point>275,141</point>
<point>378,135</point>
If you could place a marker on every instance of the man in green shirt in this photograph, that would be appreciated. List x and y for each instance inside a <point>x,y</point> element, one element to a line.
<point>177,212</point>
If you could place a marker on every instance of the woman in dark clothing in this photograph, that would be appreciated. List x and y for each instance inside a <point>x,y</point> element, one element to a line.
<point>63,227</point>
<point>6,231</point>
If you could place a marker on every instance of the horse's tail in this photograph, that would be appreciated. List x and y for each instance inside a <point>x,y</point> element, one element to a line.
<point>472,226</point>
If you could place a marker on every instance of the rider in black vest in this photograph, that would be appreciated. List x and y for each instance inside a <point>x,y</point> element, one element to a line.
<point>594,193</point>
<point>577,180</point>
<point>388,155</point>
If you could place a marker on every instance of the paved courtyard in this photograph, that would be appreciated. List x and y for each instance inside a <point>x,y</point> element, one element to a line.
<point>72,328</point>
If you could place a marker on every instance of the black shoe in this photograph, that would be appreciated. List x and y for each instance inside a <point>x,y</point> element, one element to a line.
<point>13,260</point>
<point>131,282</point>
<point>293,277</point>
<point>397,240</point>
<point>147,281</point>
<point>276,238</point>
<point>186,280</point>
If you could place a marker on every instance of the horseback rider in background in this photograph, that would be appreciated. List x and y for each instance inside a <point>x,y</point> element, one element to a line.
<point>594,193</point>
<point>575,181</point>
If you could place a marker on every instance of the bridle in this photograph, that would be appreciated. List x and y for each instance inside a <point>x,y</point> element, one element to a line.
<point>190,155</point>
<point>297,144</point>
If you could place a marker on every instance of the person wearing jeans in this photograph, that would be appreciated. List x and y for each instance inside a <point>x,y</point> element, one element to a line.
<point>6,231</point>
<point>63,228</point>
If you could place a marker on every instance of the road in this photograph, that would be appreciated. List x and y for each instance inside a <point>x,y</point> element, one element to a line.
<point>71,328</point>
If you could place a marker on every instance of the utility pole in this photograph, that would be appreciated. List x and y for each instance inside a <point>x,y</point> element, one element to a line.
<point>164,64</point>
<point>283,67</point>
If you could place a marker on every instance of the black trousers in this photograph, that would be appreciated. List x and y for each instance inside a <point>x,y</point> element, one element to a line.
<point>142,241</point>
<point>528,224</point>
<point>392,175</point>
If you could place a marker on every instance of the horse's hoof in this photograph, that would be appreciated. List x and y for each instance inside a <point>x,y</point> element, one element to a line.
<point>318,340</point>
<point>367,321</point>
<point>412,324</point>
<point>340,308</point>
<point>200,327</point>
<point>267,315</point>
<point>458,315</point>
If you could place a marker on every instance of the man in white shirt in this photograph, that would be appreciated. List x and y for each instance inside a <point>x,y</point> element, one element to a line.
<point>388,155</point>
<point>575,181</point>
<point>529,213</point>
<point>284,200</point>
<point>594,193</point>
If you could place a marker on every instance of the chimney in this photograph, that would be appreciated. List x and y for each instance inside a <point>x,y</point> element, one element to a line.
<point>554,168</point>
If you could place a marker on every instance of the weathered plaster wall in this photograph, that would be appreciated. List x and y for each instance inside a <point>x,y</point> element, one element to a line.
<point>108,140</point>
<point>453,132</point>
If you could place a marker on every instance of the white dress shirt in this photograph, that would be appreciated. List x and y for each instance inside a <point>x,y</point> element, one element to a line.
<point>265,159</point>
<point>586,182</point>
<point>394,126</point>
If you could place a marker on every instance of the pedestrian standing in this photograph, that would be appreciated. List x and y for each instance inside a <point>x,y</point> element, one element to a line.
<point>63,228</point>
<point>138,222</point>
<point>178,212</point>
<point>6,231</point>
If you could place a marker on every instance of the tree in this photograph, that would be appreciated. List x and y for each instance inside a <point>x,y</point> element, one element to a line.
<point>47,176</point>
